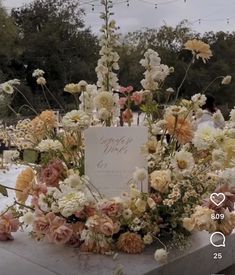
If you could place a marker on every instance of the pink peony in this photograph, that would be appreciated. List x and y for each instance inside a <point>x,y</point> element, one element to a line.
<point>137,98</point>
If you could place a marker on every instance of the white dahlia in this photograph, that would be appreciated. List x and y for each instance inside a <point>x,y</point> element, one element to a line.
<point>104,100</point>
<point>76,119</point>
<point>49,145</point>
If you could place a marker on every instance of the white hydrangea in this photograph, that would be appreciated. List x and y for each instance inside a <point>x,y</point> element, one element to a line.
<point>71,203</point>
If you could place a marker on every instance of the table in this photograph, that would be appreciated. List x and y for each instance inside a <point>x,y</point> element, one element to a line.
<point>26,256</point>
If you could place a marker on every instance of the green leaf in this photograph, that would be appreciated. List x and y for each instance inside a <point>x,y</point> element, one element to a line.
<point>30,156</point>
<point>3,191</point>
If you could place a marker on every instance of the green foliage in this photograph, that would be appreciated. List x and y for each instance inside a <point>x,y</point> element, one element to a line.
<point>168,42</point>
<point>50,35</point>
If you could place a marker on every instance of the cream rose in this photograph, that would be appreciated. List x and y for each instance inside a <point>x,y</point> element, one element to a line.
<point>160,180</point>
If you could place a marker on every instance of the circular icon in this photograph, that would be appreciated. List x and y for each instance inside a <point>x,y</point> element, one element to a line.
<point>217,242</point>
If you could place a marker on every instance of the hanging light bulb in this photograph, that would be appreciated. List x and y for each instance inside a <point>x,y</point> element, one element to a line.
<point>199,21</point>
<point>128,3</point>
<point>155,6</point>
<point>228,21</point>
<point>93,7</point>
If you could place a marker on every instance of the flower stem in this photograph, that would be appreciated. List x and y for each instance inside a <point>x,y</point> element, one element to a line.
<point>211,83</point>
<point>185,76</point>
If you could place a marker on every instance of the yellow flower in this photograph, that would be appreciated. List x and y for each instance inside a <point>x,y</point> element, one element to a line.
<point>49,118</point>
<point>199,49</point>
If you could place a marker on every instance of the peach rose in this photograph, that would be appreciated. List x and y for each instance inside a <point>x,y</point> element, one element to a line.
<point>59,232</point>
<point>107,226</point>
<point>8,224</point>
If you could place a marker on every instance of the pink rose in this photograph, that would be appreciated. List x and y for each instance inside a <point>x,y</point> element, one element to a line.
<point>53,173</point>
<point>127,90</point>
<point>59,232</point>
<point>42,223</point>
<point>127,115</point>
<point>122,102</point>
<point>137,98</point>
<point>111,208</point>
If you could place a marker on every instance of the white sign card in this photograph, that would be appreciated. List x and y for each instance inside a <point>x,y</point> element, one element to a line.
<point>111,156</point>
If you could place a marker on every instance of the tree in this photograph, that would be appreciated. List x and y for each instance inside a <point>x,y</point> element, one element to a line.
<point>9,43</point>
<point>54,39</point>
<point>168,42</point>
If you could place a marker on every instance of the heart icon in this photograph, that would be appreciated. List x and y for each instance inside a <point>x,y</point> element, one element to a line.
<point>217,198</point>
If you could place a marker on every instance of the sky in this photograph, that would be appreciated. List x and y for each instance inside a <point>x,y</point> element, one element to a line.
<point>204,15</point>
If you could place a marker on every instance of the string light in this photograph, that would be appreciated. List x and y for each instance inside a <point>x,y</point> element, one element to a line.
<point>96,3</point>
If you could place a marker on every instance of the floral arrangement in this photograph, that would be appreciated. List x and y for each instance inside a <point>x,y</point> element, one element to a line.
<point>187,161</point>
